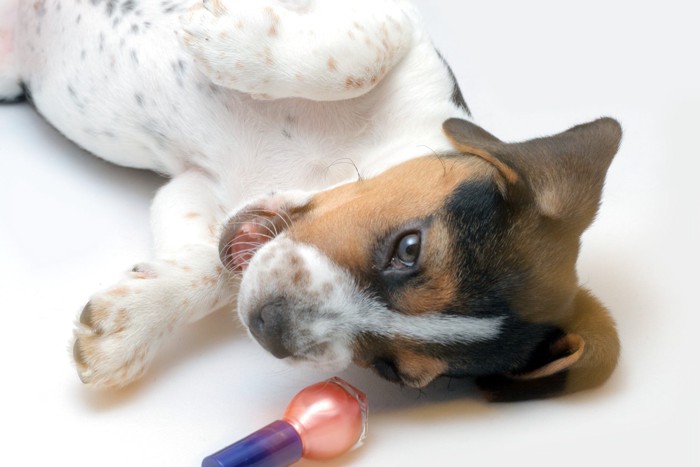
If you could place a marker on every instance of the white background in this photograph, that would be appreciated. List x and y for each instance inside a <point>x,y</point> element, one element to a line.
<point>69,224</point>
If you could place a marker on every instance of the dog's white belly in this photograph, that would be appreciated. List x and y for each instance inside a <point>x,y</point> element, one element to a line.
<point>127,91</point>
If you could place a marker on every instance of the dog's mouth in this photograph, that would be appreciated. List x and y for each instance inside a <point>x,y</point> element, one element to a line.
<point>246,232</point>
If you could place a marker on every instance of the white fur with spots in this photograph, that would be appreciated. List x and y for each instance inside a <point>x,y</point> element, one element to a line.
<point>114,77</point>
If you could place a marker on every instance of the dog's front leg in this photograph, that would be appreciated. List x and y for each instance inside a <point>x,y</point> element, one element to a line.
<point>122,327</point>
<point>317,50</point>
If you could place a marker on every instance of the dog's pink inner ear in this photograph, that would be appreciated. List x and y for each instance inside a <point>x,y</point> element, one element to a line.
<point>569,350</point>
<point>244,245</point>
<point>243,237</point>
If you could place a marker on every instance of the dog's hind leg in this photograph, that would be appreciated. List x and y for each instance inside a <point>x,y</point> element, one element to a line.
<point>121,328</point>
<point>317,50</point>
<point>10,85</point>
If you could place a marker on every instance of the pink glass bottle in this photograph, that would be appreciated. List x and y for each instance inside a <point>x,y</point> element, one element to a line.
<point>322,421</point>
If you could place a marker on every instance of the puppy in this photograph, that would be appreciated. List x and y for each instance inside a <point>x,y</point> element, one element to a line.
<point>326,179</point>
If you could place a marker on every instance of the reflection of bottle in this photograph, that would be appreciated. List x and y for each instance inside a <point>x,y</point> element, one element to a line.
<point>324,420</point>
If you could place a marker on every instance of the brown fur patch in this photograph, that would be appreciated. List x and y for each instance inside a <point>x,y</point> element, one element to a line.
<point>268,56</point>
<point>120,320</point>
<point>332,64</point>
<point>301,278</point>
<point>274,21</point>
<point>209,281</point>
<point>419,370</point>
<point>411,367</point>
<point>509,174</point>
<point>592,321</point>
<point>345,222</point>
<point>219,8</point>
<point>119,291</point>
<point>354,83</point>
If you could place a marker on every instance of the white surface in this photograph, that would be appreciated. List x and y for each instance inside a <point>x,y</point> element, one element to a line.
<point>69,224</point>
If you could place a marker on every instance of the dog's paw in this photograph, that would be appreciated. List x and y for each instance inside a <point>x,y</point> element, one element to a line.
<point>232,43</point>
<point>120,329</point>
<point>238,44</point>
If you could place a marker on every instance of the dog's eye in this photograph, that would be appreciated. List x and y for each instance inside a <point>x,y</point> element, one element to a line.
<point>407,251</point>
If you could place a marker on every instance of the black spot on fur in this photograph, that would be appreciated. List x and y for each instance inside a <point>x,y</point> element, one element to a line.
<point>170,6</point>
<point>179,67</point>
<point>128,6</point>
<point>110,7</point>
<point>457,97</point>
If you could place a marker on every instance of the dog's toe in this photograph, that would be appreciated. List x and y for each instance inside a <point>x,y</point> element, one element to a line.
<point>81,366</point>
<point>215,7</point>
<point>86,316</point>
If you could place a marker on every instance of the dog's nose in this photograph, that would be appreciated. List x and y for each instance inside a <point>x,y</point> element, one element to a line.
<point>270,326</point>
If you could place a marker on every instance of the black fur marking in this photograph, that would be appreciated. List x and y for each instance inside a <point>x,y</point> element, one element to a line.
<point>128,6</point>
<point>75,98</point>
<point>27,91</point>
<point>170,7</point>
<point>24,95</point>
<point>512,351</point>
<point>179,68</point>
<point>499,388</point>
<point>457,97</point>
<point>479,219</point>
<point>387,370</point>
<point>13,100</point>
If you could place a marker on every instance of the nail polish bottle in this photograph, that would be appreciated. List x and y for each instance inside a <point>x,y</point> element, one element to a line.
<point>322,421</point>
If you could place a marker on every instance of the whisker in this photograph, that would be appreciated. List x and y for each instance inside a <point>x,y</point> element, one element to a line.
<point>286,218</point>
<point>437,156</point>
<point>347,160</point>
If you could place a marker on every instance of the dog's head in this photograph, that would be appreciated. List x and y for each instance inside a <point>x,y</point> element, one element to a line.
<point>458,264</point>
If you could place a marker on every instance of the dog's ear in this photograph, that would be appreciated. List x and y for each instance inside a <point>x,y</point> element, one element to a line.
<point>563,174</point>
<point>581,357</point>
<point>544,375</point>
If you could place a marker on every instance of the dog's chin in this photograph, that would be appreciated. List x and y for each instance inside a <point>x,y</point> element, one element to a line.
<point>335,361</point>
